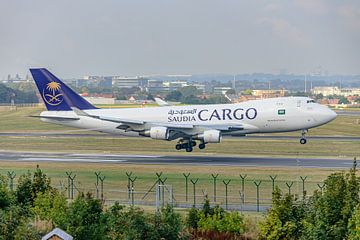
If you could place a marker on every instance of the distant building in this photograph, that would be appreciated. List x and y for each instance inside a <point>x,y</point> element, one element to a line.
<point>129,82</point>
<point>155,86</point>
<point>200,87</point>
<point>220,90</point>
<point>268,93</point>
<point>327,91</point>
<point>175,85</point>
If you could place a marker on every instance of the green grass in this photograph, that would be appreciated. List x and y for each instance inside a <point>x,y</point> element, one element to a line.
<point>244,147</point>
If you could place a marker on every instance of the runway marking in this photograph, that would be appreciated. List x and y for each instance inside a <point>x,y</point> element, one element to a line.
<point>70,160</point>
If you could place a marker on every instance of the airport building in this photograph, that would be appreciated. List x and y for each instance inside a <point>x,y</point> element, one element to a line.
<point>326,91</point>
<point>268,93</point>
<point>129,82</point>
<point>220,90</point>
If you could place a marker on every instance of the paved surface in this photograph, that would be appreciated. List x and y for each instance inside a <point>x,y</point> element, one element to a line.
<point>348,113</point>
<point>179,160</point>
<point>84,135</point>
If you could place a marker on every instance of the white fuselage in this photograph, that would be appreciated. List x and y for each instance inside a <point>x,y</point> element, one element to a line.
<point>257,116</point>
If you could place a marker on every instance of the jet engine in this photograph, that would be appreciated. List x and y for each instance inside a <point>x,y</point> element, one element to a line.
<point>161,133</point>
<point>211,136</point>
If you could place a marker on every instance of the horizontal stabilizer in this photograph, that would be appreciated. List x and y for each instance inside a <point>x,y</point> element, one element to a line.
<point>58,118</point>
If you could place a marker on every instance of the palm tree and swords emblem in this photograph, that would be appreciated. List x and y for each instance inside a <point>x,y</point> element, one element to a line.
<point>52,95</point>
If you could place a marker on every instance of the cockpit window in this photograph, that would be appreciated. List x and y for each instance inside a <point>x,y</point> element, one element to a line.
<point>310,101</point>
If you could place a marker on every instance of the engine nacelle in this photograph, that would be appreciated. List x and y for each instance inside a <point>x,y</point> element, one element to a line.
<point>161,133</point>
<point>211,136</point>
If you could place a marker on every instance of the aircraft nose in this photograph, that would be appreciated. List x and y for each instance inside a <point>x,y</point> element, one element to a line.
<point>324,114</point>
<point>327,115</point>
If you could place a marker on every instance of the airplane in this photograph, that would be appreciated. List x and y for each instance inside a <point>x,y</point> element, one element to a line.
<point>189,125</point>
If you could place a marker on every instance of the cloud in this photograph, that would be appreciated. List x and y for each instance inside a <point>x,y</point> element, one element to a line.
<point>317,7</point>
<point>351,15</point>
<point>283,29</point>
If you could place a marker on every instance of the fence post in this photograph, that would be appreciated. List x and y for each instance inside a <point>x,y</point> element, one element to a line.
<point>257,184</point>
<point>97,174</point>
<point>243,187</point>
<point>128,174</point>
<point>289,185</point>
<point>186,175</point>
<point>303,185</point>
<point>72,185</point>
<point>273,178</point>
<point>194,188</point>
<point>214,179</point>
<point>132,180</point>
<point>102,187</point>
<point>321,187</point>
<point>226,192</point>
<point>11,176</point>
<point>69,182</point>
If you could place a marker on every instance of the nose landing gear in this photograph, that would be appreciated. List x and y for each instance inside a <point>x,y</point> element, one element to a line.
<point>303,136</point>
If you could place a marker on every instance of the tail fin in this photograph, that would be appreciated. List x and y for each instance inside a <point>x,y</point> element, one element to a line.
<point>56,95</point>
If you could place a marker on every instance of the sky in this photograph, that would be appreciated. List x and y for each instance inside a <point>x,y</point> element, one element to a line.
<point>74,38</point>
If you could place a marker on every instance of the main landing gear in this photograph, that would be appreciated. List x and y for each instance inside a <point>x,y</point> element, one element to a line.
<point>188,145</point>
<point>303,137</point>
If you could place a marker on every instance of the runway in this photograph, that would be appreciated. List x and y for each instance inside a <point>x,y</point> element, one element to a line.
<point>100,135</point>
<point>212,160</point>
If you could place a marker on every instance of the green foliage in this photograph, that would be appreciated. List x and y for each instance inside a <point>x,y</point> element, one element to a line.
<point>247,92</point>
<point>51,206</point>
<point>134,223</point>
<point>325,215</point>
<point>6,94</point>
<point>284,219</point>
<point>193,218</point>
<point>6,197</point>
<point>28,189</point>
<point>219,221</point>
<point>174,96</point>
<point>23,191</point>
<point>330,211</point>
<point>354,225</point>
<point>84,218</point>
<point>168,223</point>
<point>15,225</point>
<point>215,220</point>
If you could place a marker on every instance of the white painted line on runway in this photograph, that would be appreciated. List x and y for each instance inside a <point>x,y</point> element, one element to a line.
<point>71,160</point>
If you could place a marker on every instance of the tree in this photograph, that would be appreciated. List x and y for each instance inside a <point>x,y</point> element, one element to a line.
<point>174,96</point>
<point>51,206</point>
<point>23,191</point>
<point>84,218</point>
<point>28,188</point>
<point>354,225</point>
<point>284,219</point>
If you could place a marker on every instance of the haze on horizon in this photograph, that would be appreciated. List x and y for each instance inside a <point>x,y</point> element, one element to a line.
<point>76,38</point>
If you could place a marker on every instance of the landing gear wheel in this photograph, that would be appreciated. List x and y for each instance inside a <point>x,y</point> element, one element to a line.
<point>202,145</point>
<point>184,145</point>
<point>303,141</point>
<point>178,147</point>
<point>193,143</point>
<point>189,149</point>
